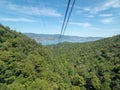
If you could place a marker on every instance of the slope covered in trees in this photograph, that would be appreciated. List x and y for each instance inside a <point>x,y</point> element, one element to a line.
<point>22,61</point>
<point>27,65</point>
<point>97,64</point>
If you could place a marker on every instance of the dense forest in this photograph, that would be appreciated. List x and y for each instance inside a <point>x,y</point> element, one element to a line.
<point>27,65</point>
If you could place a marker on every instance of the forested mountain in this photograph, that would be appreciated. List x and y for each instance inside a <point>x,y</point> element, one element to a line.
<point>48,39</point>
<point>27,65</point>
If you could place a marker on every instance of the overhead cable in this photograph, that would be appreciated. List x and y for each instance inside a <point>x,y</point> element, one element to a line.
<point>66,19</point>
<point>68,5</point>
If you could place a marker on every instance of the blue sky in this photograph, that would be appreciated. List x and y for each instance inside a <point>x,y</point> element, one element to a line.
<point>89,17</point>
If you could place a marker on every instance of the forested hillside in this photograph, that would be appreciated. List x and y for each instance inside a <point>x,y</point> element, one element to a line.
<point>94,65</point>
<point>23,62</point>
<point>27,65</point>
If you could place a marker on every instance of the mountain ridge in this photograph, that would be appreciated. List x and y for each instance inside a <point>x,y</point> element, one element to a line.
<point>47,39</point>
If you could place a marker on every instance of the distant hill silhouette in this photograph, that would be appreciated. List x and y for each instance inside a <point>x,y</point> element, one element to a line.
<point>47,39</point>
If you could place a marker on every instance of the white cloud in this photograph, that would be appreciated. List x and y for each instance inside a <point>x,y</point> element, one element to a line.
<point>87,9</point>
<point>105,15</point>
<point>107,21</point>
<point>107,5</point>
<point>16,19</point>
<point>34,10</point>
<point>85,25</point>
<point>90,16</point>
<point>30,10</point>
<point>80,10</point>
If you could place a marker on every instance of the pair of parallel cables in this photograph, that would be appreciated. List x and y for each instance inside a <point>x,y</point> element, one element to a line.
<point>66,18</point>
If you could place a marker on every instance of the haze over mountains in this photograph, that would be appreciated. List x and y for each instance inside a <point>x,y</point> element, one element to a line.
<point>47,39</point>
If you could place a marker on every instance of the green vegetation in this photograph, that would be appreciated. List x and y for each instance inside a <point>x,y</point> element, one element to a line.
<point>27,65</point>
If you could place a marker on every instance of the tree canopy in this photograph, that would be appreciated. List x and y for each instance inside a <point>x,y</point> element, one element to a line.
<point>27,65</point>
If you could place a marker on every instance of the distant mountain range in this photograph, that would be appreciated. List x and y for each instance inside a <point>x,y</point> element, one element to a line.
<point>47,39</point>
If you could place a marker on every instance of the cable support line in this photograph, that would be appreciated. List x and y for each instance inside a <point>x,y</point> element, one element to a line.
<point>68,18</point>
<point>68,5</point>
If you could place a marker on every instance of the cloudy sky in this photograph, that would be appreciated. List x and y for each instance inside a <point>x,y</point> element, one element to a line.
<point>89,17</point>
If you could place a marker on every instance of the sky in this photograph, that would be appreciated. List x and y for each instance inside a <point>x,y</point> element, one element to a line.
<point>96,18</point>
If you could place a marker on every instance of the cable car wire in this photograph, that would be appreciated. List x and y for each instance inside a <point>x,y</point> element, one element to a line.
<point>66,19</point>
<point>68,5</point>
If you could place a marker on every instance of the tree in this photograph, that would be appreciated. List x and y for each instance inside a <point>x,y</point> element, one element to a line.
<point>95,82</point>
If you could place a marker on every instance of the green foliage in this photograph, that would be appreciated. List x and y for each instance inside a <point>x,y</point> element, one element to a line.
<point>27,65</point>
<point>78,81</point>
<point>95,82</point>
